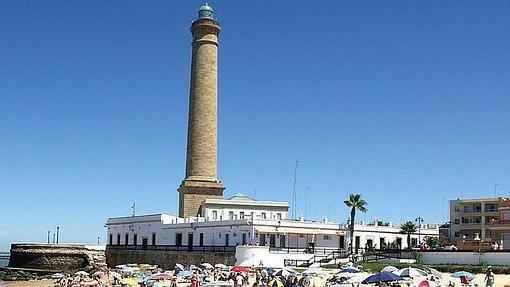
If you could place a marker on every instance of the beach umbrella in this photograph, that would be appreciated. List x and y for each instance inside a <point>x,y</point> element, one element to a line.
<point>459,274</point>
<point>435,272</point>
<point>381,277</point>
<point>179,266</point>
<point>116,275</point>
<point>98,274</point>
<point>389,268</point>
<point>411,272</point>
<point>130,281</point>
<point>81,273</point>
<point>240,269</point>
<point>314,271</point>
<point>57,276</point>
<point>160,276</point>
<point>284,272</point>
<point>207,265</point>
<point>350,269</point>
<point>221,266</point>
<point>346,275</point>
<point>122,266</point>
<point>424,283</point>
<point>193,267</point>
<point>275,283</point>
<point>184,273</point>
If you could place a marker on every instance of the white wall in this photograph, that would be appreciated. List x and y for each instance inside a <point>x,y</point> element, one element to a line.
<point>254,255</point>
<point>470,258</point>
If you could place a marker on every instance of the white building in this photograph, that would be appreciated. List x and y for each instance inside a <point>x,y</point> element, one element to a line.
<point>241,220</point>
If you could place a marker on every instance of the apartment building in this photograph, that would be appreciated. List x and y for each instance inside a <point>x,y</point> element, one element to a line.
<point>487,219</point>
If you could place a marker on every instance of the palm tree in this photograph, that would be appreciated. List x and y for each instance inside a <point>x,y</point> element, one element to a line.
<point>408,227</point>
<point>355,202</point>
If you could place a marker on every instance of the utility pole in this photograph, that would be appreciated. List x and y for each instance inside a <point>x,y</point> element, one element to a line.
<point>48,237</point>
<point>58,229</point>
<point>294,191</point>
<point>53,237</point>
<point>98,240</point>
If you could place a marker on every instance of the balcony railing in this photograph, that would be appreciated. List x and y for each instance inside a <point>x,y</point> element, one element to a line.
<point>175,248</point>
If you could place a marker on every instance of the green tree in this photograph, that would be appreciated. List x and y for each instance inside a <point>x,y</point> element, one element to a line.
<point>408,227</point>
<point>355,202</point>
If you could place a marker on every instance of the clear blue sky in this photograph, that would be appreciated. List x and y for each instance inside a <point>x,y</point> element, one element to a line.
<point>405,102</point>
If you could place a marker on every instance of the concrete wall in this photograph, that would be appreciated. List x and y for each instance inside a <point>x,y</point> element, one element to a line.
<point>470,258</point>
<point>166,259</point>
<point>62,257</point>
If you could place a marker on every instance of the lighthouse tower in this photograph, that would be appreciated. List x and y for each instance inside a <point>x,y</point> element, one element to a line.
<point>201,181</point>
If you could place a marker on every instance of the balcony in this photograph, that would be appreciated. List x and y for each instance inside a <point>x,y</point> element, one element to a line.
<point>471,209</point>
<point>491,209</point>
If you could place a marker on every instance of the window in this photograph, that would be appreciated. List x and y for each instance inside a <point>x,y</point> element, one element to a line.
<point>126,239</point>
<point>111,239</point>
<point>244,239</point>
<point>326,237</point>
<point>230,215</point>
<point>215,215</point>
<point>118,239</point>
<point>279,216</point>
<point>201,239</point>
<point>227,237</point>
<point>135,239</point>
<point>263,215</point>
<point>153,238</point>
<point>241,215</point>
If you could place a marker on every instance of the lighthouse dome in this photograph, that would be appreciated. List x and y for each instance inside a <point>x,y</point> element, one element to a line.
<point>205,11</point>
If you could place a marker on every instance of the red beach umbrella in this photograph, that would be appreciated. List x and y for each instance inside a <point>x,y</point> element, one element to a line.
<point>424,283</point>
<point>240,269</point>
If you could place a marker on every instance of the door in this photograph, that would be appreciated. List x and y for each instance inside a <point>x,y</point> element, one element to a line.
<point>227,239</point>
<point>272,240</point>
<point>262,240</point>
<point>282,241</point>
<point>178,239</point>
<point>190,242</point>
<point>244,239</point>
<point>145,241</point>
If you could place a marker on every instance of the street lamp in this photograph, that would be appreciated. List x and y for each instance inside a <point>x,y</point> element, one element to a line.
<point>420,221</point>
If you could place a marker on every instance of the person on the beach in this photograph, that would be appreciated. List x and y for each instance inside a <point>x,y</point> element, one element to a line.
<point>489,278</point>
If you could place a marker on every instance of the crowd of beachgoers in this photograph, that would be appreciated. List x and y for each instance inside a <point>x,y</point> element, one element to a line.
<point>220,275</point>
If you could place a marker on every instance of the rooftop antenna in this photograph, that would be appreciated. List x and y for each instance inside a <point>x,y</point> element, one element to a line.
<point>133,208</point>
<point>294,190</point>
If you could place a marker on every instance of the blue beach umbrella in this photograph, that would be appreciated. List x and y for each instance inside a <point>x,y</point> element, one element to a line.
<point>459,274</point>
<point>381,277</point>
<point>350,269</point>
